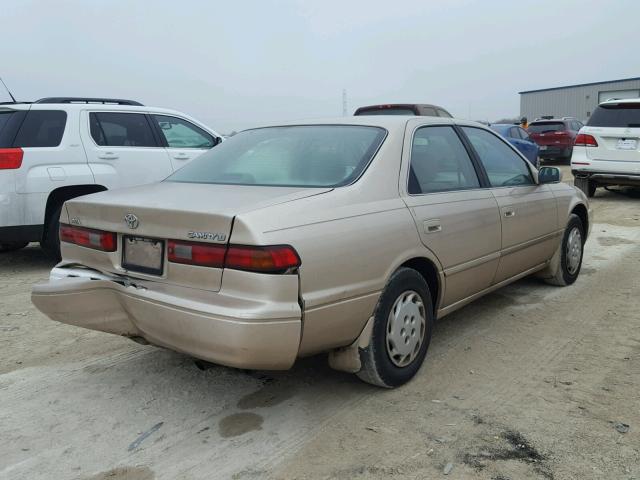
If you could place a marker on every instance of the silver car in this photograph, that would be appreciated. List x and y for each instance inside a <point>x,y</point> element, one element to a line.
<point>348,236</point>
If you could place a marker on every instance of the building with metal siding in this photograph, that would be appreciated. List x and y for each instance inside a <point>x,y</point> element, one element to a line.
<point>577,101</point>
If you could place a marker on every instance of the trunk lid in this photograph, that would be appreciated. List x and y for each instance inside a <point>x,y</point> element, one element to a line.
<point>170,210</point>
<point>550,133</point>
<point>615,144</point>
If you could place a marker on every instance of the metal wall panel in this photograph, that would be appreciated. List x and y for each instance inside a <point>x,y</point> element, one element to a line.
<point>578,101</point>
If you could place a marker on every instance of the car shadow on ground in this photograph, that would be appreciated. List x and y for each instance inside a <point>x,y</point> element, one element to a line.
<point>31,258</point>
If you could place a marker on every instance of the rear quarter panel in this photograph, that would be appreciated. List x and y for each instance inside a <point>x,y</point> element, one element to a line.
<point>350,240</point>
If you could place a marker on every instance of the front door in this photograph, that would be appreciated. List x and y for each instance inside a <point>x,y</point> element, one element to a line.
<point>528,211</point>
<point>183,140</point>
<point>122,149</point>
<point>456,218</point>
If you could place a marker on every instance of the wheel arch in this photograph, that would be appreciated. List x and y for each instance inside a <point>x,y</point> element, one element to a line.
<point>62,194</point>
<point>581,211</point>
<point>429,271</point>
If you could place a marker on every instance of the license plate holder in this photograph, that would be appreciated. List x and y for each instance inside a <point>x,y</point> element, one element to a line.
<point>543,147</point>
<point>627,144</point>
<point>143,254</point>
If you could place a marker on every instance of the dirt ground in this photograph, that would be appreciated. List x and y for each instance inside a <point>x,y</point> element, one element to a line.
<point>532,381</point>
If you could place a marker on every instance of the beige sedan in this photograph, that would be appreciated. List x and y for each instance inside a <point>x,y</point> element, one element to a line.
<point>348,236</point>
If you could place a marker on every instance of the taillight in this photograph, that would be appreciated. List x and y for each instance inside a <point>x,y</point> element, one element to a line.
<point>196,253</point>
<point>584,140</point>
<point>89,237</point>
<point>10,158</point>
<point>270,259</point>
<point>278,258</point>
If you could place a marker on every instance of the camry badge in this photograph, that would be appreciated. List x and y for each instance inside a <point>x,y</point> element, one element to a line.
<point>215,237</point>
<point>131,221</point>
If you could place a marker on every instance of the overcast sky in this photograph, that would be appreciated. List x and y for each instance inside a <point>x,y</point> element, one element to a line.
<point>236,63</point>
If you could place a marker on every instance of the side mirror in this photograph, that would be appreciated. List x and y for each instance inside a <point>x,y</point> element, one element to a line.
<point>549,175</point>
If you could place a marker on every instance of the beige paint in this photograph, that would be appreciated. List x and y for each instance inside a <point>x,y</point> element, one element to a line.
<point>350,239</point>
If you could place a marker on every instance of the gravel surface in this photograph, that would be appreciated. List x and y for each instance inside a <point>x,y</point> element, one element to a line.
<point>532,381</point>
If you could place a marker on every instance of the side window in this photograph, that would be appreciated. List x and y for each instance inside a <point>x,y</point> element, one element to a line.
<point>182,134</point>
<point>524,134</point>
<point>111,129</point>
<point>504,167</point>
<point>428,112</point>
<point>513,133</point>
<point>41,128</point>
<point>439,162</point>
<point>442,113</point>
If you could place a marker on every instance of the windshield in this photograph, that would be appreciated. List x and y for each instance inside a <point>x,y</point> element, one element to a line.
<point>625,115</point>
<point>297,156</point>
<point>546,127</point>
<point>387,111</point>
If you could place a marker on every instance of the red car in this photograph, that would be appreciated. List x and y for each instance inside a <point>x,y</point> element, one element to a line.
<point>555,137</point>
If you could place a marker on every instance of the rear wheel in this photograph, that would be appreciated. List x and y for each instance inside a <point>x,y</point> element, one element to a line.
<point>403,322</point>
<point>586,185</point>
<point>51,239</point>
<point>12,246</point>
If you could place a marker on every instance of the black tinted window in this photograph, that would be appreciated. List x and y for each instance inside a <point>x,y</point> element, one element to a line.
<point>4,119</point>
<point>504,167</point>
<point>625,115</point>
<point>121,130</point>
<point>439,162</point>
<point>41,128</point>
<point>428,112</point>
<point>443,113</point>
<point>182,134</point>
<point>546,127</point>
<point>386,111</point>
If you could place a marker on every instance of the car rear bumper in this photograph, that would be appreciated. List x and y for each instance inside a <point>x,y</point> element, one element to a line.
<point>553,151</point>
<point>609,178</point>
<point>261,331</point>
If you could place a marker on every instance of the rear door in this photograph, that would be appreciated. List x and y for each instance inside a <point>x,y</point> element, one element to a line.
<point>183,140</point>
<point>616,128</point>
<point>457,219</point>
<point>528,211</point>
<point>123,149</point>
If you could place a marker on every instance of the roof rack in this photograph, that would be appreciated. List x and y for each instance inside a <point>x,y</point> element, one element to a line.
<point>116,101</point>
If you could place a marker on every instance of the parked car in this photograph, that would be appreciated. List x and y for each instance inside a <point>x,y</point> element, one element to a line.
<point>56,149</point>
<point>555,137</point>
<point>421,109</point>
<point>607,150</point>
<point>520,139</point>
<point>348,235</point>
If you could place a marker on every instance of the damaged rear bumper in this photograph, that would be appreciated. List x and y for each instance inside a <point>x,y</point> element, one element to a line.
<point>254,321</point>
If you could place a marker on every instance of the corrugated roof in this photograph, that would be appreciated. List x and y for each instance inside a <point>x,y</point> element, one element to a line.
<point>580,85</point>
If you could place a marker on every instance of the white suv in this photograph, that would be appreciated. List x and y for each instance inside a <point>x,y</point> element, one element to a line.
<point>607,149</point>
<point>56,149</point>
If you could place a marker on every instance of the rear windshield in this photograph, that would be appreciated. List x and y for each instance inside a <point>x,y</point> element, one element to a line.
<point>4,118</point>
<point>546,127</point>
<point>297,156</point>
<point>625,115</point>
<point>386,111</point>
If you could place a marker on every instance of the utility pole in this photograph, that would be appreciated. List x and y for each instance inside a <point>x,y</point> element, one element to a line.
<point>344,102</point>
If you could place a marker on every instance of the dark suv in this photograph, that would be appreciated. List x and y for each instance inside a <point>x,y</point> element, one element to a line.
<point>420,109</point>
<point>555,137</point>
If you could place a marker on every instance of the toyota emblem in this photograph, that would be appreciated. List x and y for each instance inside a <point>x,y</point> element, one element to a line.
<point>131,220</point>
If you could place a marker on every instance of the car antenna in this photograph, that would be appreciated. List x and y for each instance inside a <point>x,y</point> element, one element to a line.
<point>8,91</point>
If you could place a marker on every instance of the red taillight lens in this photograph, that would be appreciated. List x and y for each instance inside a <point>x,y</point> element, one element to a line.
<point>584,140</point>
<point>272,259</point>
<point>10,158</point>
<point>196,253</point>
<point>89,237</point>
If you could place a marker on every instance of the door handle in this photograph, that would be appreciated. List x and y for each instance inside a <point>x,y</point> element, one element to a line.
<point>108,156</point>
<point>509,213</point>
<point>181,156</point>
<point>432,226</point>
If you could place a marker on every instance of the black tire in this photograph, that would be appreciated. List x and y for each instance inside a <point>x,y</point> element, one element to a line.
<point>378,367</point>
<point>587,186</point>
<point>565,275</point>
<point>12,246</point>
<point>51,237</point>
